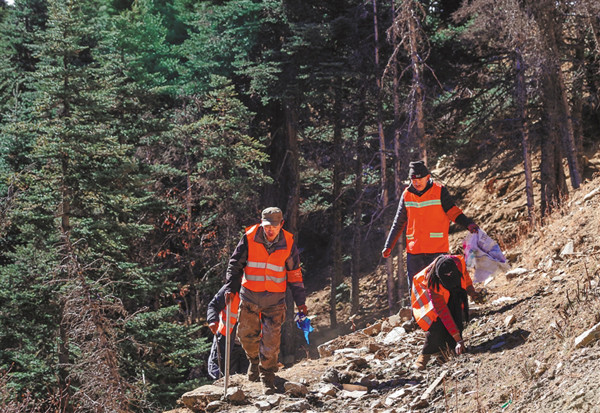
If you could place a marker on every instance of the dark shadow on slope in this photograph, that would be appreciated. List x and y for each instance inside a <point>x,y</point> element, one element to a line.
<point>507,307</point>
<point>506,341</point>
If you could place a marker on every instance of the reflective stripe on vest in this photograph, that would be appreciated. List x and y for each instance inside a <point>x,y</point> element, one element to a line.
<point>264,271</point>
<point>427,223</point>
<point>422,306</point>
<point>233,315</point>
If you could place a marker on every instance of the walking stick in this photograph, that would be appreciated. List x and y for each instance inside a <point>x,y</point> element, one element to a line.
<point>227,346</point>
<point>219,362</point>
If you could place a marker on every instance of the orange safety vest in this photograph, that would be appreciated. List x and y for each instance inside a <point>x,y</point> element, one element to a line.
<point>267,272</point>
<point>422,307</point>
<point>428,224</point>
<point>233,315</point>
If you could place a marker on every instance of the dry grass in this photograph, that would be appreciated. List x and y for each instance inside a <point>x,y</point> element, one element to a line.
<point>577,221</point>
<point>26,403</point>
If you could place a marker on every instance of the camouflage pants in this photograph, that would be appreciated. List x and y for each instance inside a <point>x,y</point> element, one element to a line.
<point>259,332</point>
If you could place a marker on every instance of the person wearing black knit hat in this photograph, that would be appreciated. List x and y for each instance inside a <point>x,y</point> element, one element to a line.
<point>417,170</point>
<point>440,305</point>
<point>425,210</point>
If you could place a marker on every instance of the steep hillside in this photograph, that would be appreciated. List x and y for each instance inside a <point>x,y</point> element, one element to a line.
<point>527,349</point>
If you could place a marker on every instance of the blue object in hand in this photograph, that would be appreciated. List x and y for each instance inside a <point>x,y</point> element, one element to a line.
<point>303,323</point>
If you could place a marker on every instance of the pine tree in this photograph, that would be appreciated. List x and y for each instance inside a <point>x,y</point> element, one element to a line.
<point>78,214</point>
<point>209,170</point>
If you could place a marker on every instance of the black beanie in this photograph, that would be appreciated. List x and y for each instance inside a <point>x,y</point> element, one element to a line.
<point>448,272</point>
<point>417,169</point>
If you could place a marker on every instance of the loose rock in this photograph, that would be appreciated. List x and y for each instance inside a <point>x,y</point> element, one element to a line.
<point>201,396</point>
<point>295,389</point>
<point>588,336</point>
<point>509,320</point>
<point>300,406</point>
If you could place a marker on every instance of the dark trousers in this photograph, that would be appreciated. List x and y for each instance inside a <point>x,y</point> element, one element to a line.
<point>416,262</point>
<point>238,362</point>
<point>437,338</point>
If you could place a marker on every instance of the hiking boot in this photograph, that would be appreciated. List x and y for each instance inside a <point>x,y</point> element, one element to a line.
<point>253,372</point>
<point>422,361</point>
<point>268,383</point>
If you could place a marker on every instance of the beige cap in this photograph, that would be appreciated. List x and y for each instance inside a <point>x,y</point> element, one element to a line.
<point>271,216</point>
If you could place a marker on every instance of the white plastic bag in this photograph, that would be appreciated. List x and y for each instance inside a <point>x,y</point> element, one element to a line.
<point>483,256</point>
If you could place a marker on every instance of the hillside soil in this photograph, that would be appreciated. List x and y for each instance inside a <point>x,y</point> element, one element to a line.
<point>526,345</point>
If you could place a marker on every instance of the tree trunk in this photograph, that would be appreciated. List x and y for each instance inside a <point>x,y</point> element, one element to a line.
<point>336,276</point>
<point>358,187</point>
<point>401,286</point>
<point>396,99</point>
<point>417,123</point>
<point>293,174</point>
<point>549,23</point>
<point>592,65</point>
<point>553,185</point>
<point>290,180</point>
<point>567,133</point>
<point>63,363</point>
<point>64,356</point>
<point>551,174</point>
<point>577,98</point>
<point>391,290</point>
<point>192,309</point>
<point>521,101</point>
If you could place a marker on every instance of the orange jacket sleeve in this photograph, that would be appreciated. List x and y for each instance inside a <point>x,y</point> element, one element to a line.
<point>294,276</point>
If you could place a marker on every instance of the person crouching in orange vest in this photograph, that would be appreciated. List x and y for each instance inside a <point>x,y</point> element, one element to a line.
<point>440,305</point>
<point>216,316</point>
<point>264,264</point>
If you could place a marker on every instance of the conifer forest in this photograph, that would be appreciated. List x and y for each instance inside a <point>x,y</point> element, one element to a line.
<point>139,137</point>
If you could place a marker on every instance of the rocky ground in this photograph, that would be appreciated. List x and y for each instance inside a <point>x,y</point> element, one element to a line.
<point>532,345</point>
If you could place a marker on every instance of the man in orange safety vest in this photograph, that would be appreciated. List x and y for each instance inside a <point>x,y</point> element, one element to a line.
<point>425,210</point>
<point>264,264</point>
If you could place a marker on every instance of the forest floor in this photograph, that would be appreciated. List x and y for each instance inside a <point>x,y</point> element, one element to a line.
<point>523,349</point>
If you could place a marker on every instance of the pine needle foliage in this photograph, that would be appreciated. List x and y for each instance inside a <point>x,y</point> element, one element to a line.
<point>81,203</point>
